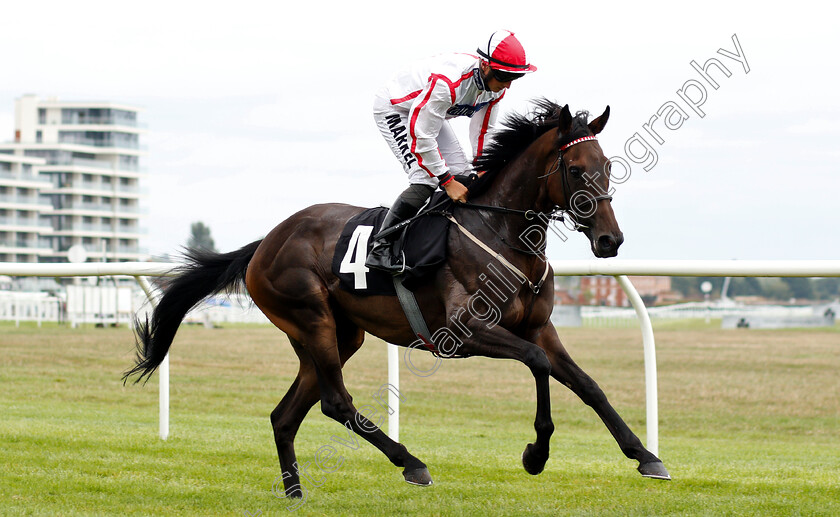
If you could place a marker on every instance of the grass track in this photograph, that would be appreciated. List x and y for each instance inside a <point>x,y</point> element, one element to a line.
<point>749,425</point>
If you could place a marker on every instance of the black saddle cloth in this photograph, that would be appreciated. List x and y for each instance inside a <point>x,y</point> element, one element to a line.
<point>423,242</point>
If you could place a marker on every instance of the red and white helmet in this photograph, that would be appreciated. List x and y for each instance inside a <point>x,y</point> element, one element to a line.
<point>504,52</point>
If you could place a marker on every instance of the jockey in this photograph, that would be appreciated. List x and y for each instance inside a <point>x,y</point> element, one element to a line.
<point>412,112</point>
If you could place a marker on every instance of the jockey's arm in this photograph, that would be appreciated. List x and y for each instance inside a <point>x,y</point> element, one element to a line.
<point>427,115</point>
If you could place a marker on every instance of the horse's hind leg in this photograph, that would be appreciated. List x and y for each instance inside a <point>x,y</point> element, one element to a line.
<point>302,395</point>
<point>288,415</point>
<point>337,404</point>
<point>296,301</point>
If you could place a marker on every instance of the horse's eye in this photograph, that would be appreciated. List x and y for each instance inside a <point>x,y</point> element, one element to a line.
<point>575,172</point>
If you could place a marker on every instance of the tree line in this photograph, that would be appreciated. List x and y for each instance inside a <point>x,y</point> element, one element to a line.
<point>773,288</point>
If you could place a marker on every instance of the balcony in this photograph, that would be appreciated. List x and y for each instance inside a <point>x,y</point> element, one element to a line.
<point>22,177</point>
<point>99,143</point>
<point>99,207</point>
<point>87,162</point>
<point>16,247</point>
<point>94,115</point>
<point>23,222</point>
<point>134,250</point>
<point>100,139</point>
<point>104,165</point>
<point>31,202</point>
<point>107,120</point>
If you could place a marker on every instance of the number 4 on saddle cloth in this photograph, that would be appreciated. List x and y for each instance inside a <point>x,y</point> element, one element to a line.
<point>422,243</point>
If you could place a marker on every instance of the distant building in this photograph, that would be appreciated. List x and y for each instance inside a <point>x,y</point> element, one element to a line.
<point>24,210</point>
<point>71,176</point>
<point>655,289</point>
<point>605,290</point>
<point>601,290</point>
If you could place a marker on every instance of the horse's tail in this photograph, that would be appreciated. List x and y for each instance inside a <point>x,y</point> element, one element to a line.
<point>205,273</point>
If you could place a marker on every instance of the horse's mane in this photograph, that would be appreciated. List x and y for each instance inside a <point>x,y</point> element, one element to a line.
<point>518,132</point>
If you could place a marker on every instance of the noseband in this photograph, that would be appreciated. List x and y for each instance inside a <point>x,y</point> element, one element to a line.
<point>561,165</point>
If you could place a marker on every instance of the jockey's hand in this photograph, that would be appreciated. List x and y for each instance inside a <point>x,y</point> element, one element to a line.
<point>456,191</point>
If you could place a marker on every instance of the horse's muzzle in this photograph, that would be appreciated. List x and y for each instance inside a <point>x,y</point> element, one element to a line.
<point>607,245</point>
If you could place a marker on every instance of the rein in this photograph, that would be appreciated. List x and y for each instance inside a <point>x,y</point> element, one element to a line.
<point>560,166</point>
<point>527,214</point>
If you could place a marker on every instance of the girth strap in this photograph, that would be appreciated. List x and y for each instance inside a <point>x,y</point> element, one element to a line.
<point>413,314</point>
<point>505,262</point>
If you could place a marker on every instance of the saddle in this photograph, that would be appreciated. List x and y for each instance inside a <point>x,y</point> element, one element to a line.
<point>422,244</point>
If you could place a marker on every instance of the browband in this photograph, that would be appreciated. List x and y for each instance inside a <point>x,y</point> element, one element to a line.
<point>579,140</point>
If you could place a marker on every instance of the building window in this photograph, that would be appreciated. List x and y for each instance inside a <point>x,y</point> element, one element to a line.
<point>42,116</point>
<point>129,163</point>
<point>39,137</point>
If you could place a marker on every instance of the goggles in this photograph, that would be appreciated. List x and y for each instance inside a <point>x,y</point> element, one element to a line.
<point>504,77</point>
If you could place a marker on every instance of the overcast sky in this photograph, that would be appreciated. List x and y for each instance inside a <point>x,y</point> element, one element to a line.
<point>258,109</point>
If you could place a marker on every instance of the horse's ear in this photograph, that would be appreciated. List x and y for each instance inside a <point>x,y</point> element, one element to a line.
<point>597,125</point>
<point>565,119</point>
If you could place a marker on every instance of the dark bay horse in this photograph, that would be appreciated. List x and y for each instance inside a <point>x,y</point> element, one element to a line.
<point>538,164</point>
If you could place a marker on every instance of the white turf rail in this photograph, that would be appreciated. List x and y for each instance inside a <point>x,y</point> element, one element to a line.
<point>90,269</point>
<point>773,268</point>
<point>613,267</point>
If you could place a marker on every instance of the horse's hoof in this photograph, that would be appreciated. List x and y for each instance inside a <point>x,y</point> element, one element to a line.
<point>654,470</point>
<point>420,477</point>
<point>531,461</point>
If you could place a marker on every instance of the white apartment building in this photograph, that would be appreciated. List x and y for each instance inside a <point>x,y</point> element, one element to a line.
<point>24,211</point>
<point>89,173</point>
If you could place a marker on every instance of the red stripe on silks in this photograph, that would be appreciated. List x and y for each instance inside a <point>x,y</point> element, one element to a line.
<point>462,79</point>
<point>406,98</point>
<point>451,85</point>
<point>413,122</point>
<point>485,124</point>
<point>433,79</point>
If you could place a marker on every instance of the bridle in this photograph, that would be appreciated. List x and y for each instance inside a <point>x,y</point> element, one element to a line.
<point>561,166</point>
<point>565,213</point>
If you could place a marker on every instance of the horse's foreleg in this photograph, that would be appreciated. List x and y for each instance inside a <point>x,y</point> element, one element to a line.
<point>500,343</point>
<point>565,370</point>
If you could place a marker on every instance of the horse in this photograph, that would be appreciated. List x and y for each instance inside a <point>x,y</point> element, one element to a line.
<point>539,163</point>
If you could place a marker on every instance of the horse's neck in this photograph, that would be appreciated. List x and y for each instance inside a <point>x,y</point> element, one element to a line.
<point>519,185</point>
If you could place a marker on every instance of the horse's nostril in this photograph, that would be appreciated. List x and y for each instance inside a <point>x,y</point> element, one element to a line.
<point>606,242</point>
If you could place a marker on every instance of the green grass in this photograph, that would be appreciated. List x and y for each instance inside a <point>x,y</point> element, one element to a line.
<point>749,425</point>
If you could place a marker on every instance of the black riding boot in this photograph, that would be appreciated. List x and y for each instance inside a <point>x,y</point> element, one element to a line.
<point>406,205</point>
